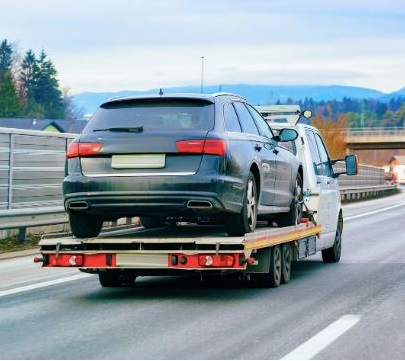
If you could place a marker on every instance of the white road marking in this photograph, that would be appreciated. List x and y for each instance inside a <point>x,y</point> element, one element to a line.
<point>43,284</point>
<point>374,212</point>
<point>322,339</point>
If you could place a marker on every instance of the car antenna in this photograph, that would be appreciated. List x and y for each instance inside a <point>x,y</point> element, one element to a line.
<point>161,92</point>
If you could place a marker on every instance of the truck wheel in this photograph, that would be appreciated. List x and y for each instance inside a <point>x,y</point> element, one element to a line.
<point>153,222</point>
<point>296,207</point>
<point>115,279</point>
<point>85,225</point>
<point>332,254</point>
<point>109,279</point>
<point>273,277</point>
<point>285,263</point>
<point>245,221</point>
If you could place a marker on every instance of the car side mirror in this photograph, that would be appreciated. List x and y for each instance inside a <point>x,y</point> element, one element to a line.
<point>351,164</point>
<point>286,135</point>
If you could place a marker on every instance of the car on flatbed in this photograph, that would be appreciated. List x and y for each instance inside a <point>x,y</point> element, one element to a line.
<point>181,157</point>
<point>321,189</point>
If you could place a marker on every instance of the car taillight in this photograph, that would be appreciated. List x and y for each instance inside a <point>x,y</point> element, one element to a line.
<point>201,146</point>
<point>82,149</point>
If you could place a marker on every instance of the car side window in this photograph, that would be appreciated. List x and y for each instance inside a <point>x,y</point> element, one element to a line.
<point>264,128</point>
<point>316,161</point>
<point>324,157</point>
<point>247,122</point>
<point>231,119</point>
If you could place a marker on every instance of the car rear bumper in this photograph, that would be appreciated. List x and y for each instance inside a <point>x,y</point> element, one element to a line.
<point>187,196</point>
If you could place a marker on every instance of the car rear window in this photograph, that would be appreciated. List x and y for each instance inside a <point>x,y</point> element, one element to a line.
<point>154,115</point>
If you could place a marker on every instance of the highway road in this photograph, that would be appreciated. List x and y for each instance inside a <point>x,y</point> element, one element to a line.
<point>350,310</point>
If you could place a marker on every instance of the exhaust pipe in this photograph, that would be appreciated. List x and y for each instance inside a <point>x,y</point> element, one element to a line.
<point>195,204</point>
<point>79,206</point>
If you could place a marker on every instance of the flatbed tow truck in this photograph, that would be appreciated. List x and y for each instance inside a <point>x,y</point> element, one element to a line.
<point>265,254</point>
<point>118,258</point>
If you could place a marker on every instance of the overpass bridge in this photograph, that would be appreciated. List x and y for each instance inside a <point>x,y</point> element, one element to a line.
<point>374,138</point>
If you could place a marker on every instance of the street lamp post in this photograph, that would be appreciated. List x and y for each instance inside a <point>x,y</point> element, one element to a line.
<point>202,74</point>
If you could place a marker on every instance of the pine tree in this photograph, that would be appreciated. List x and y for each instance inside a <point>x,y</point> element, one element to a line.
<point>40,87</point>
<point>29,71</point>
<point>6,58</point>
<point>9,101</point>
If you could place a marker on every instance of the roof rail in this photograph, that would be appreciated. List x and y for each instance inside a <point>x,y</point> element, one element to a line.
<point>228,94</point>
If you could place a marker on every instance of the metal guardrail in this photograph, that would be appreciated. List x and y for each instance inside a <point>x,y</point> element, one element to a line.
<point>32,170</point>
<point>358,193</point>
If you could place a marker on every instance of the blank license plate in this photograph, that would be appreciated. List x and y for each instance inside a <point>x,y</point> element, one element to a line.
<point>138,161</point>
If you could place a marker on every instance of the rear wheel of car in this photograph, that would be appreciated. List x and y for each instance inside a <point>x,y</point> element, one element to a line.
<point>332,254</point>
<point>85,225</point>
<point>153,222</point>
<point>296,207</point>
<point>245,221</point>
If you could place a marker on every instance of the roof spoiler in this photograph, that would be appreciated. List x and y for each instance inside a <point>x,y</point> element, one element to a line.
<point>283,113</point>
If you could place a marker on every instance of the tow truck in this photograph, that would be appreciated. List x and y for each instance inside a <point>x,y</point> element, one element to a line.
<point>265,255</point>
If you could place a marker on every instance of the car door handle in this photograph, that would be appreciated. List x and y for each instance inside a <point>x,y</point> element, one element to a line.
<point>275,151</point>
<point>258,147</point>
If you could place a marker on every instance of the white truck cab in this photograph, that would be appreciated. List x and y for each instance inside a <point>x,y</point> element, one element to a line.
<point>320,186</point>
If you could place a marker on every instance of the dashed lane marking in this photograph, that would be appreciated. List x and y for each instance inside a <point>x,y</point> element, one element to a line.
<point>322,339</point>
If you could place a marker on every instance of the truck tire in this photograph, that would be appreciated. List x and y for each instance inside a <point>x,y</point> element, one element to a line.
<point>115,278</point>
<point>272,279</point>
<point>109,279</point>
<point>332,254</point>
<point>285,263</point>
<point>294,216</point>
<point>85,225</point>
<point>245,221</point>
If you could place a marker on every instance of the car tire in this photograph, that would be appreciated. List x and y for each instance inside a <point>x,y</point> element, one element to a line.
<point>153,222</point>
<point>85,225</point>
<point>332,254</point>
<point>245,221</point>
<point>296,207</point>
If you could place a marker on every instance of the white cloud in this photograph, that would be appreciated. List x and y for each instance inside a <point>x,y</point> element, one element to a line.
<point>104,46</point>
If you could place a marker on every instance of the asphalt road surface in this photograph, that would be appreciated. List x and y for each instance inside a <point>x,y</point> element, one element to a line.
<point>350,310</point>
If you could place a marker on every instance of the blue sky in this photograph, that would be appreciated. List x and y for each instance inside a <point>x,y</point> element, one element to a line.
<point>116,45</point>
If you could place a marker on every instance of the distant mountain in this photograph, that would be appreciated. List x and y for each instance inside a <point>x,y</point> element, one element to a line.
<point>255,94</point>
<point>397,94</point>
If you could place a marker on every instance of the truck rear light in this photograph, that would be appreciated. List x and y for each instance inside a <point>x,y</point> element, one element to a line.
<point>76,260</point>
<point>216,260</point>
<point>82,149</point>
<point>201,146</point>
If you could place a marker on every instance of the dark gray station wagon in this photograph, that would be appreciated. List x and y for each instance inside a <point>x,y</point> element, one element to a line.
<point>181,157</point>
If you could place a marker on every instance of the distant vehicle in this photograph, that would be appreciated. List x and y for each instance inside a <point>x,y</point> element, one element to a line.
<point>399,174</point>
<point>321,189</point>
<point>182,157</point>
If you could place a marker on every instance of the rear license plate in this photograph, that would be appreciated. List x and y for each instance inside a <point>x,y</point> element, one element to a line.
<point>129,161</point>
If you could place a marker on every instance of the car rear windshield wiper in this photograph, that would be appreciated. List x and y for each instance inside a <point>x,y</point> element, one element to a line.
<point>121,129</point>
